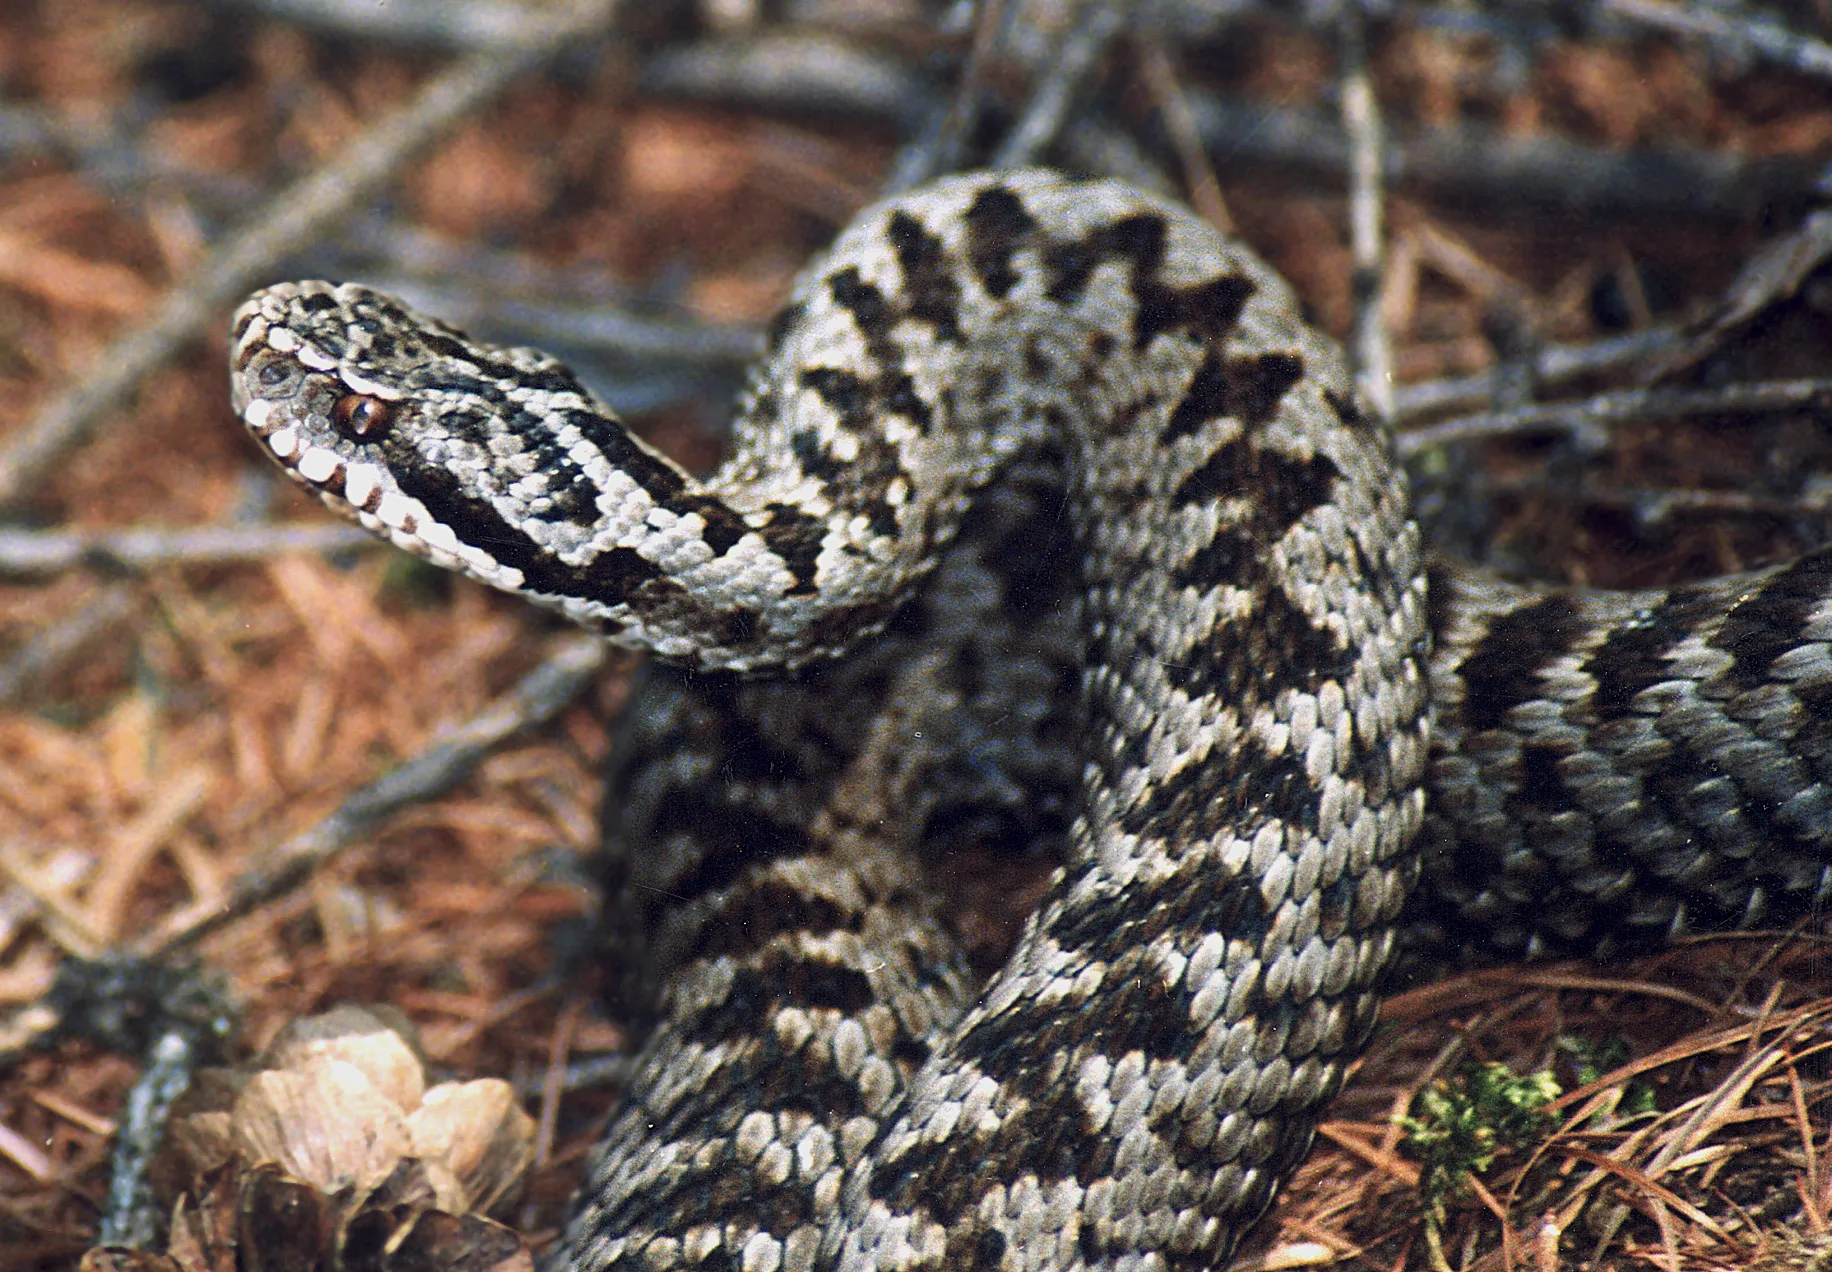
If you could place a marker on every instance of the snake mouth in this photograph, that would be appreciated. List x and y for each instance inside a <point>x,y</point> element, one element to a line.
<point>363,492</point>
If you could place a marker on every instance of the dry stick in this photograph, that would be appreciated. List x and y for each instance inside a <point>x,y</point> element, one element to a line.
<point>939,148</point>
<point>482,26</point>
<point>515,298</point>
<point>110,157</point>
<point>1730,33</point>
<point>26,553</point>
<point>596,1073</point>
<point>295,218</point>
<point>1774,274</point>
<point>375,239</point>
<point>1619,407</point>
<point>793,73</point>
<point>1473,165</point>
<point>1651,506</point>
<point>620,331</point>
<point>131,1215</point>
<point>1160,72</point>
<point>1099,145</point>
<point>1370,350</point>
<point>51,649</point>
<point>1554,367</point>
<point>540,696</point>
<point>1053,96</point>
<point>585,309</point>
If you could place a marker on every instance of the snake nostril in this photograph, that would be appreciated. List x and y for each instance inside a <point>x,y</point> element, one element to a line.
<point>361,418</point>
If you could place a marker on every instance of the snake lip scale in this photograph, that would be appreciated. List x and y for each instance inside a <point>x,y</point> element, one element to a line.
<point>1049,527</point>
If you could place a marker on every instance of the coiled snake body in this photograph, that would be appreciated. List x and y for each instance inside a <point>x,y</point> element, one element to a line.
<point>1124,574</point>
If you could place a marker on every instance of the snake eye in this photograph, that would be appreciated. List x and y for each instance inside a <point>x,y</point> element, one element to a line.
<point>361,418</point>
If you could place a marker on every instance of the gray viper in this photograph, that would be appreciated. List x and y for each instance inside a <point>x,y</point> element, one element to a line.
<point>1050,525</point>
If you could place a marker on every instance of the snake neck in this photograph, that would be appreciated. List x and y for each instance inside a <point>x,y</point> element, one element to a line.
<point>943,333</point>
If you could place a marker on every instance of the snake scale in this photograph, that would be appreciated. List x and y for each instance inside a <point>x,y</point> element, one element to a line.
<point>1049,527</point>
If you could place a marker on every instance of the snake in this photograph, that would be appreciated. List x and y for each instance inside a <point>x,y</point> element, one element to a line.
<point>1051,538</point>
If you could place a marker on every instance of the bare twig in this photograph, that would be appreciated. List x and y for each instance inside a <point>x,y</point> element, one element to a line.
<point>1370,351</point>
<point>171,1012</point>
<point>1652,507</point>
<point>538,698</point>
<point>56,647</point>
<point>792,72</point>
<point>1053,95</point>
<point>1098,145</point>
<point>1555,366</point>
<point>1160,71</point>
<point>478,26</point>
<point>1473,165</point>
<point>24,553</point>
<point>599,328</point>
<point>155,963</point>
<point>580,1075</point>
<point>378,240</point>
<point>1606,409</point>
<point>110,157</point>
<point>1772,275</point>
<point>296,217</point>
<point>1513,334</point>
<point>940,146</point>
<point>1734,34</point>
<point>1470,166</point>
<point>131,1216</point>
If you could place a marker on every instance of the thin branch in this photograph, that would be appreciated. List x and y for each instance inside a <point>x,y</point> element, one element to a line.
<point>1651,507</point>
<point>1588,414</point>
<point>1098,145</point>
<point>793,73</point>
<point>585,315</point>
<point>53,649</point>
<point>1053,96</point>
<point>1473,165</point>
<point>1556,366</point>
<point>88,996</point>
<point>1470,166</point>
<point>131,1216</point>
<point>540,696</point>
<point>1160,72</point>
<point>942,143</point>
<point>1508,325</point>
<point>1734,35</point>
<point>29,553</point>
<point>298,216</point>
<point>1370,349</point>
<point>477,26</point>
<point>1774,274</point>
<point>112,158</point>
<point>607,329</point>
<point>594,1074</point>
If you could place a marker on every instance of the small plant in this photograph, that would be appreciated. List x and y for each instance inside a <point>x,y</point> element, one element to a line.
<point>1592,1058</point>
<point>1456,1128</point>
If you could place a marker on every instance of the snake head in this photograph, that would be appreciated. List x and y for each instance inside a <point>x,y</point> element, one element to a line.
<point>342,387</point>
<point>488,460</point>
